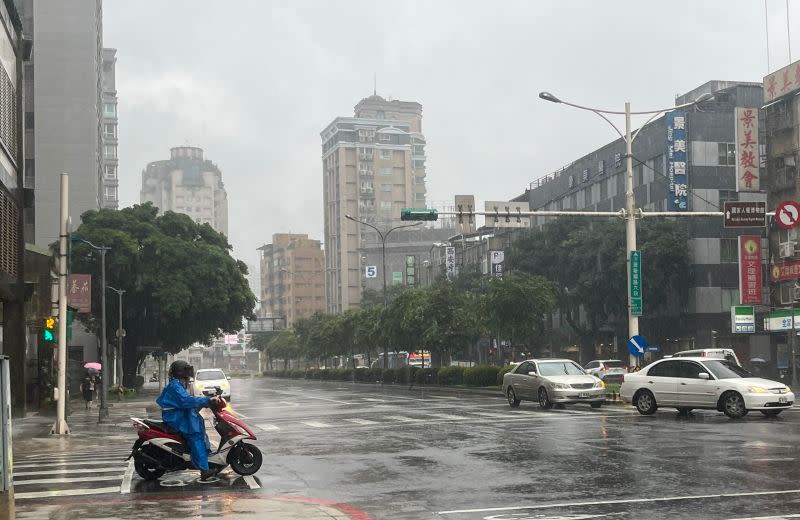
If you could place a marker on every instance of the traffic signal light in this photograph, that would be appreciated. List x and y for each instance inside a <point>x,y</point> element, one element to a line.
<point>419,214</point>
<point>49,333</point>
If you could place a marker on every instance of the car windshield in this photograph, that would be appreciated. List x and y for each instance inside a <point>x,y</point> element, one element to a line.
<point>613,364</point>
<point>726,369</point>
<point>210,375</point>
<point>560,368</point>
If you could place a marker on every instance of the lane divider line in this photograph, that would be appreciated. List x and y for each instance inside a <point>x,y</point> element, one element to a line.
<point>127,479</point>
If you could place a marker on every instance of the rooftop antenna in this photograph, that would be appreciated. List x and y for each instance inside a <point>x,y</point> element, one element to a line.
<point>766,30</point>
<point>374,83</point>
<point>788,32</point>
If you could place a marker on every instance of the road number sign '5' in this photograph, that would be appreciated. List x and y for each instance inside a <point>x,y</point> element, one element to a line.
<point>787,214</point>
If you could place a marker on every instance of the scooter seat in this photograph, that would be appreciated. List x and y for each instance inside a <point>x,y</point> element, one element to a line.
<point>160,425</point>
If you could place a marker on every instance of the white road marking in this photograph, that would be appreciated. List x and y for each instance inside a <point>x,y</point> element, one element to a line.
<point>365,422</point>
<point>492,415</point>
<point>316,424</point>
<point>443,397</point>
<point>373,400</point>
<point>65,492</point>
<point>65,471</point>
<point>251,482</point>
<point>118,463</point>
<point>125,487</point>
<point>779,517</point>
<point>623,501</point>
<point>403,418</point>
<point>788,459</point>
<point>267,427</point>
<point>18,483</point>
<point>446,416</point>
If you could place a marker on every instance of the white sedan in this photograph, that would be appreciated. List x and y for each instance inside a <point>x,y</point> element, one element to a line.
<point>700,382</point>
<point>207,380</point>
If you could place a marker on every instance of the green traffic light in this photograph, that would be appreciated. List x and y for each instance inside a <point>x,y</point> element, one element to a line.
<point>48,335</point>
<point>419,214</point>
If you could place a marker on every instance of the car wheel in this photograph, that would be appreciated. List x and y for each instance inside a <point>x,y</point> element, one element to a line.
<point>645,402</point>
<point>513,402</point>
<point>733,405</point>
<point>596,405</point>
<point>544,399</point>
<point>771,413</point>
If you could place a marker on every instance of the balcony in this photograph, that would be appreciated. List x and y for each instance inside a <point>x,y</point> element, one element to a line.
<point>366,173</point>
<point>367,190</point>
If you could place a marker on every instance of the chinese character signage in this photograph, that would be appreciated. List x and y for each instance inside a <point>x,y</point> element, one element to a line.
<point>636,283</point>
<point>498,263</point>
<point>782,82</point>
<point>781,320</point>
<point>601,167</point>
<point>747,154</point>
<point>743,319</point>
<point>450,262</point>
<point>750,282</point>
<point>677,193</point>
<point>617,160</point>
<point>744,214</point>
<point>79,292</point>
<point>783,271</point>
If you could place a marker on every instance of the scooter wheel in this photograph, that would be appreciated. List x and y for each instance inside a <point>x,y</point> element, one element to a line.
<point>146,471</point>
<point>245,459</point>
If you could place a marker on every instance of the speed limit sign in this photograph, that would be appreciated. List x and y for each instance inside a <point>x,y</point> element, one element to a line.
<point>371,271</point>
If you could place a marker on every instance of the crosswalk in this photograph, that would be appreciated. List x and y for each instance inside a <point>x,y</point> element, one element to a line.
<point>38,476</point>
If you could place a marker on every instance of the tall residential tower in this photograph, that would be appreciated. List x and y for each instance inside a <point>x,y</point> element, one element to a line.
<point>109,126</point>
<point>373,165</point>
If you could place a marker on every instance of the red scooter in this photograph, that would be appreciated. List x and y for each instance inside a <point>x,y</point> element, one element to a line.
<point>159,449</point>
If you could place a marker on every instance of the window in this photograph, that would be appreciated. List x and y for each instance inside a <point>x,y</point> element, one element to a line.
<point>111,171</point>
<point>419,197</point>
<point>109,109</point>
<point>593,364</point>
<point>29,119</point>
<point>728,251</point>
<point>726,369</point>
<point>727,195</point>
<point>385,204</point>
<point>109,130</point>
<point>726,154</point>
<point>560,368</point>
<point>387,154</point>
<point>386,171</point>
<point>665,369</point>
<point>381,114</point>
<point>419,163</point>
<point>525,368</point>
<point>386,188</point>
<point>620,183</point>
<point>638,175</point>
<point>384,138</point>
<point>603,189</point>
<point>111,193</point>
<point>690,369</point>
<point>111,151</point>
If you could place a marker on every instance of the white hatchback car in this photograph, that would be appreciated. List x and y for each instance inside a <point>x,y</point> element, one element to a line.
<point>702,382</point>
<point>207,379</point>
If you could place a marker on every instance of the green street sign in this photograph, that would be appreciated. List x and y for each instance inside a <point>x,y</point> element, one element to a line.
<point>397,277</point>
<point>419,214</point>
<point>636,283</point>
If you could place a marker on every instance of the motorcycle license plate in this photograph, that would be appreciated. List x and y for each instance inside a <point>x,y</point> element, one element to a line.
<point>584,396</point>
<point>782,400</point>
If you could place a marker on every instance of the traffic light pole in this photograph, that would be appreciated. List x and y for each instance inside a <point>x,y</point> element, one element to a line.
<point>60,427</point>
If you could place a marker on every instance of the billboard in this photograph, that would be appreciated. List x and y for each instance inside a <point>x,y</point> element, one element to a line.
<point>677,192</point>
<point>498,263</point>
<point>750,279</point>
<point>505,214</point>
<point>781,82</point>
<point>747,154</point>
<point>450,262</point>
<point>79,292</point>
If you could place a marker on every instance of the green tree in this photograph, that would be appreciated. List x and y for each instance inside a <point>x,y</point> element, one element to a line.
<point>181,283</point>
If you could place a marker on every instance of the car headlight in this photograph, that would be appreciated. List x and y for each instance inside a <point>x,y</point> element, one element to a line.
<point>599,384</point>
<point>788,390</point>
<point>199,386</point>
<point>757,390</point>
<point>560,386</point>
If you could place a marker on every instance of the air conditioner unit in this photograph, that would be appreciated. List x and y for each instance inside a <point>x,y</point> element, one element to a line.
<point>786,250</point>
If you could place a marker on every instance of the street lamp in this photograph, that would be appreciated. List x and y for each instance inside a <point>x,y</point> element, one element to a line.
<point>118,366</point>
<point>383,236</point>
<point>103,412</point>
<point>630,200</point>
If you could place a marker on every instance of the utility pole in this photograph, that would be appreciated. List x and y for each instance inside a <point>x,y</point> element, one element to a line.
<point>120,334</point>
<point>60,427</point>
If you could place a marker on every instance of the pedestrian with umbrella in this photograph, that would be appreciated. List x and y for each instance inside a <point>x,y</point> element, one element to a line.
<point>89,383</point>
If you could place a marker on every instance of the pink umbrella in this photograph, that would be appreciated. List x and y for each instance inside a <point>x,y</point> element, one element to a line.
<point>93,366</point>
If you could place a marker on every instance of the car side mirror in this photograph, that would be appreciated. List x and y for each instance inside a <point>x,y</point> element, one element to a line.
<point>532,373</point>
<point>703,375</point>
<point>228,378</point>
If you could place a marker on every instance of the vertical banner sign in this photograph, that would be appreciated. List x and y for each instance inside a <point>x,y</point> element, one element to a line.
<point>498,263</point>
<point>677,194</point>
<point>747,153</point>
<point>450,262</point>
<point>636,283</point>
<point>750,279</point>
<point>79,292</point>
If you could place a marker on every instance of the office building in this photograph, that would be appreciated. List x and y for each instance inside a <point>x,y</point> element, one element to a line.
<point>110,192</point>
<point>292,277</point>
<point>373,164</point>
<point>596,182</point>
<point>189,184</point>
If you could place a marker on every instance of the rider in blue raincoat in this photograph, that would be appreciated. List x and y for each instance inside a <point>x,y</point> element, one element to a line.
<point>180,411</point>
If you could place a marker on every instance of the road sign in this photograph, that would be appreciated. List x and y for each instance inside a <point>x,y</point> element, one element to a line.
<point>636,283</point>
<point>653,348</point>
<point>787,214</point>
<point>419,214</point>
<point>371,271</point>
<point>745,214</point>
<point>743,319</point>
<point>505,214</point>
<point>637,346</point>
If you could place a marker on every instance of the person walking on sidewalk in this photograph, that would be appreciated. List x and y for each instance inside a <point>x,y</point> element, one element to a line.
<point>87,389</point>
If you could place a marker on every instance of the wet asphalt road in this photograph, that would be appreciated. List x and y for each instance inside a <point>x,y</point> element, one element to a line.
<point>402,454</point>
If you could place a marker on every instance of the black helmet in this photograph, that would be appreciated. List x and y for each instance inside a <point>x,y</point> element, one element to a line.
<point>181,370</point>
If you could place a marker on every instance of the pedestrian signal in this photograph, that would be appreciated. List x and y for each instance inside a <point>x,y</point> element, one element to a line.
<point>49,333</point>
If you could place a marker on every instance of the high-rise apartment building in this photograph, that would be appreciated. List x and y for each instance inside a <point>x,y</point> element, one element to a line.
<point>292,277</point>
<point>63,110</point>
<point>373,165</point>
<point>189,184</point>
<point>110,193</point>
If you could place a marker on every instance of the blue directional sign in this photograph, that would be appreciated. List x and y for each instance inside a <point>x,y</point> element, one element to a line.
<point>637,346</point>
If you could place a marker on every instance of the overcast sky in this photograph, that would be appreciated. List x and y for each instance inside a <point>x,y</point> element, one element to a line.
<point>254,82</point>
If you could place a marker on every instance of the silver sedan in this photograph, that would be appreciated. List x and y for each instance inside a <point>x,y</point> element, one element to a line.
<point>552,381</point>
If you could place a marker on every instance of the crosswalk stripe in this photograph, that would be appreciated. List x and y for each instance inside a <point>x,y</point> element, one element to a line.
<point>492,415</point>
<point>316,424</point>
<point>119,463</point>
<point>267,427</point>
<point>403,418</point>
<point>18,483</point>
<point>446,416</point>
<point>373,400</point>
<point>65,471</point>
<point>364,422</point>
<point>65,492</point>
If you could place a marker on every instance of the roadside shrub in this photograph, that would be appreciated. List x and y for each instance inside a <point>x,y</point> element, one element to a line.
<point>297,373</point>
<point>389,375</point>
<point>449,376</point>
<point>426,376</point>
<point>375,375</point>
<point>481,375</point>
<point>503,371</point>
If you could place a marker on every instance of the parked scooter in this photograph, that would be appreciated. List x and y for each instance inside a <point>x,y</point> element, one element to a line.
<point>159,449</point>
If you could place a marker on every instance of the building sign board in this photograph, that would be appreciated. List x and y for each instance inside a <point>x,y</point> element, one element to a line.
<point>466,205</point>
<point>450,262</point>
<point>636,283</point>
<point>782,82</point>
<point>781,320</point>
<point>782,271</point>
<point>371,271</point>
<point>743,319</point>
<point>747,151</point>
<point>750,278</point>
<point>677,192</point>
<point>505,214</point>
<point>79,292</point>
<point>231,339</point>
<point>498,263</point>
<point>397,277</point>
<point>745,214</point>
